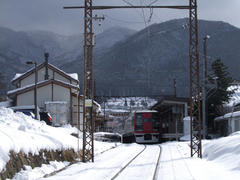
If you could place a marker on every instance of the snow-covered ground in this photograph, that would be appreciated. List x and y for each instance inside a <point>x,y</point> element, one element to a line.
<point>21,133</point>
<point>221,157</point>
<point>220,161</point>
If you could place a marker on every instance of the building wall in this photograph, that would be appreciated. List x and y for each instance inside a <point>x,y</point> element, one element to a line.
<point>75,114</point>
<point>57,76</point>
<point>50,92</point>
<point>41,74</point>
<point>31,78</point>
<point>41,77</point>
<point>43,94</point>
<point>28,80</point>
<point>25,99</point>
<point>61,93</point>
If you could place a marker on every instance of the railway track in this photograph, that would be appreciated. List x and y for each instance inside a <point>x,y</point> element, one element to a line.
<point>144,153</point>
<point>156,167</point>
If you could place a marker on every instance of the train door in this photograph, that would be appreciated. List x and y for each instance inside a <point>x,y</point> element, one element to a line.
<point>147,120</point>
<point>138,122</point>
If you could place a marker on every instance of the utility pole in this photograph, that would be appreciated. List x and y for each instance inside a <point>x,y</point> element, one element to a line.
<point>46,55</point>
<point>88,82</point>
<point>195,116</point>
<point>35,86</point>
<point>194,73</point>
<point>204,82</point>
<point>88,88</point>
<point>175,87</point>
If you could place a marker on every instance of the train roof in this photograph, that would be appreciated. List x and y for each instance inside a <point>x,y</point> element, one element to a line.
<point>146,111</point>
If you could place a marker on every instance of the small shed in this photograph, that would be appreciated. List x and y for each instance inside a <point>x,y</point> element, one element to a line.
<point>228,123</point>
<point>171,111</point>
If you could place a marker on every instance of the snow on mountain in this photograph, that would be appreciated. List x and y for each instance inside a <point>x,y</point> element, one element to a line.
<point>137,103</point>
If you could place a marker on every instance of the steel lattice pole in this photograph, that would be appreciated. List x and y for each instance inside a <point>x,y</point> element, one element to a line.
<point>88,89</point>
<point>195,116</point>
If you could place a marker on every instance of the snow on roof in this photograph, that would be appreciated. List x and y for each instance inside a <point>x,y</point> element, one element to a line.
<point>39,83</point>
<point>71,75</point>
<point>137,101</point>
<point>98,106</point>
<point>5,103</point>
<point>17,75</point>
<point>235,98</point>
<point>145,111</point>
<point>117,110</point>
<point>23,88</point>
<point>228,115</point>
<point>55,102</point>
<point>187,118</point>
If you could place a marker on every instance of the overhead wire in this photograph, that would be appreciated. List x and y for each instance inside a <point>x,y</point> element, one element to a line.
<point>124,21</point>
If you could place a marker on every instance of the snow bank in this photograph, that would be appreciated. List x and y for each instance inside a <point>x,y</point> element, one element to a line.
<point>19,132</point>
<point>225,151</point>
<point>39,172</point>
<point>5,104</point>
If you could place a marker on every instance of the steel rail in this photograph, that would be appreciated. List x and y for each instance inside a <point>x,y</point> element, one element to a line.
<point>119,172</point>
<point>156,168</point>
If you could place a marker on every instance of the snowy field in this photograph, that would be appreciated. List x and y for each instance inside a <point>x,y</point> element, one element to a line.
<point>18,132</point>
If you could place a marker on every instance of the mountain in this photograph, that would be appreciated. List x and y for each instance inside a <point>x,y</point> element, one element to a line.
<point>17,47</point>
<point>126,62</point>
<point>147,62</point>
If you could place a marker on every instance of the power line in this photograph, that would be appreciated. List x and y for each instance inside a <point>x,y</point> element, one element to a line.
<point>115,19</point>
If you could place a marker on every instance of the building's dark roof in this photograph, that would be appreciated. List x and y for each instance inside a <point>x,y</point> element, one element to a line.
<point>170,100</point>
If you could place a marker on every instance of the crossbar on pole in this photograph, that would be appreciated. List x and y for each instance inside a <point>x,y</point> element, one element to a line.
<point>127,7</point>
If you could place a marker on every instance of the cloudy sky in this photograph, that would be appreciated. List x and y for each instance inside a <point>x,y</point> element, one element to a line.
<point>49,14</point>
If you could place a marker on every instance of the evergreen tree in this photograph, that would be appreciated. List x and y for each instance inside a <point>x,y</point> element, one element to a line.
<point>219,95</point>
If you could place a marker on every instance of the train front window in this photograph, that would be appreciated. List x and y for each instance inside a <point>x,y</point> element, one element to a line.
<point>139,122</point>
<point>147,120</point>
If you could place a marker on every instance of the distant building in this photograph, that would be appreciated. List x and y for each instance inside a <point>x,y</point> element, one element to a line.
<point>59,92</point>
<point>229,122</point>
